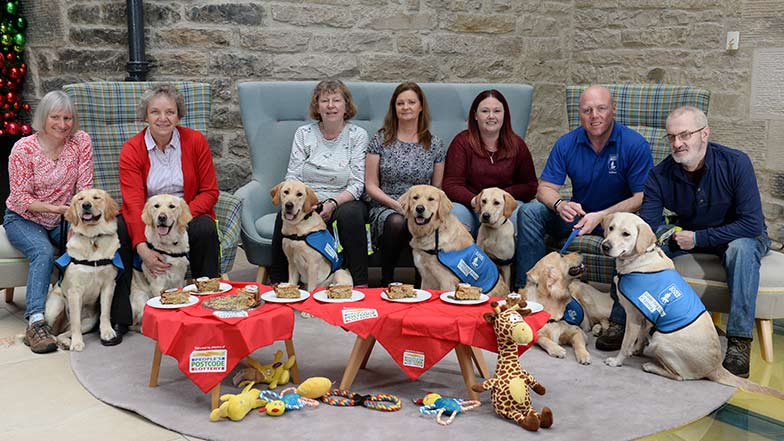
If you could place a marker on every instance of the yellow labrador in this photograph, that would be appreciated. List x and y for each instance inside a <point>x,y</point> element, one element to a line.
<point>691,352</point>
<point>165,220</point>
<point>434,228</point>
<point>298,202</point>
<point>554,282</point>
<point>496,235</point>
<point>89,279</point>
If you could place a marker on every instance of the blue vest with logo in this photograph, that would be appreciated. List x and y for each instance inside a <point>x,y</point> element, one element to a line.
<point>471,265</point>
<point>323,242</point>
<point>573,314</point>
<point>63,261</point>
<point>663,297</point>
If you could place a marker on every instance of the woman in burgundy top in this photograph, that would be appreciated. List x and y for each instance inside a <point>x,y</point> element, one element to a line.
<point>488,154</point>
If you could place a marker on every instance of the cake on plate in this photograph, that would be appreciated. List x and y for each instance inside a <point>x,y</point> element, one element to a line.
<point>286,291</point>
<point>397,290</point>
<point>339,291</point>
<point>205,284</point>
<point>252,295</point>
<point>464,291</point>
<point>174,296</point>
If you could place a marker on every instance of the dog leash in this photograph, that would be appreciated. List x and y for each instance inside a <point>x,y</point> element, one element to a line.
<point>569,240</point>
<point>382,402</point>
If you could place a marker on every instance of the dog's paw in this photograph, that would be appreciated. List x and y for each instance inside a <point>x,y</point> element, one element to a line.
<point>64,343</point>
<point>597,330</point>
<point>583,358</point>
<point>558,352</point>
<point>77,346</point>
<point>108,333</point>
<point>613,361</point>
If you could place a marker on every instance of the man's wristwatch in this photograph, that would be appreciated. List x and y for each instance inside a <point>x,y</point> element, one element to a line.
<point>555,205</point>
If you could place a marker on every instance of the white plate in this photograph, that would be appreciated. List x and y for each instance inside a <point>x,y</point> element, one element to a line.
<point>321,296</point>
<point>155,302</point>
<point>192,287</point>
<point>449,297</point>
<point>270,296</point>
<point>421,296</point>
<point>533,306</point>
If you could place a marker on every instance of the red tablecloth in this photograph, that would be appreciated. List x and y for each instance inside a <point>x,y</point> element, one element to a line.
<point>208,348</point>
<point>416,335</point>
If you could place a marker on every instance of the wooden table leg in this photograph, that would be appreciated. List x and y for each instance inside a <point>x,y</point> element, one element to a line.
<point>367,357</point>
<point>479,360</point>
<point>294,369</point>
<point>215,399</point>
<point>463,353</point>
<point>361,348</point>
<point>156,366</point>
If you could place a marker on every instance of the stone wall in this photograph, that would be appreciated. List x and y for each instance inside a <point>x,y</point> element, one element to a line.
<point>545,43</point>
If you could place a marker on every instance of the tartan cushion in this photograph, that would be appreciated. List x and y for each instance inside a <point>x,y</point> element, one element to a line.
<point>107,111</point>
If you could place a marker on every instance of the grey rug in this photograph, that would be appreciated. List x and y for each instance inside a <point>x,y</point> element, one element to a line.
<point>588,402</point>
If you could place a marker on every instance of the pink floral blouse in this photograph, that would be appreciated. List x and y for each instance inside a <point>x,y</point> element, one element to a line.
<point>34,177</point>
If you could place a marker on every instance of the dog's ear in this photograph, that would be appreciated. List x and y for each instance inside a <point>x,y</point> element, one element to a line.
<point>553,277</point>
<point>311,200</point>
<point>444,204</point>
<point>70,214</point>
<point>111,209</point>
<point>645,238</point>
<point>275,194</point>
<point>405,202</point>
<point>606,220</point>
<point>185,214</point>
<point>509,204</point>
<point>478,205</point>
<point>146,215</point>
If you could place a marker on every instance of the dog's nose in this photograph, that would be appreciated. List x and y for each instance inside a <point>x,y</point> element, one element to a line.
<point>161,218</point>
<point>485,216</point>
<point>420,209</point>
<point>606,247</point>
<point>289,205</point>
<point>87,206</point>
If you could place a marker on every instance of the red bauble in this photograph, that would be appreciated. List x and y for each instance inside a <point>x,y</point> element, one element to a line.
<point>12,97</point>
<point>13,128</point>
<point>8,116</point>
<point>17,106</point>
<point>2,132</point>
<point>2,62</point>
<point>26,129</point>
<point>10,57</point>
<point>23,67</point>
<point>14,73</point>
<point>26,106</point>
<point>5,107</point>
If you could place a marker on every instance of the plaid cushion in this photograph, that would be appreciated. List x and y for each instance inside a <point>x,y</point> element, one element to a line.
<point>644,108</point>
<point>107,111</point>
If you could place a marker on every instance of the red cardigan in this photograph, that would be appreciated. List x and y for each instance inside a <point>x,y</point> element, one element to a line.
<point>466,173</point>
<point>198,174</point>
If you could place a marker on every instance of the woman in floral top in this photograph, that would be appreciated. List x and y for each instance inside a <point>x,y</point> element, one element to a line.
<point>45,170</point>
<point>403,153</point>
<point>329,156</point>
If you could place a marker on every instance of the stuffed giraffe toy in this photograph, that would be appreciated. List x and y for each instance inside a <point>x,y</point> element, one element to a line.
<point>510,397</point>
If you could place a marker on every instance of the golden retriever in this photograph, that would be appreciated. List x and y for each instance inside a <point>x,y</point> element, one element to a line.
<point>691,352</point>
<point>554,282</point>
<point>165,220</point>
<point>298,202</point>
<point>90,277</point>
<point>496,235</point>
<point>434,228</point>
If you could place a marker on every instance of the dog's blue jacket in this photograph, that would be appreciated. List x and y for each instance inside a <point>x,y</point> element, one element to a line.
<point>63,261</point>
<point>574,314</point>
<point>323,242</point>
<point>471,265</point>
<point>663,297</point>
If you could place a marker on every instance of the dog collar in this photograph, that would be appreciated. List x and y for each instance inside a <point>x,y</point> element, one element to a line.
<point>501,262</point>
<point>299,236</point>
<point>434,251</point>
<point>93,263</point>
<point>149,245</point>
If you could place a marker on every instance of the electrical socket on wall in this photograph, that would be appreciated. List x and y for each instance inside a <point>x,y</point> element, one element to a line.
<point>733,40</point>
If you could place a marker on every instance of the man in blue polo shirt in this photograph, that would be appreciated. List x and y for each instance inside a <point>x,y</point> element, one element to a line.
<point>607,164</point>
<point>713,191</point>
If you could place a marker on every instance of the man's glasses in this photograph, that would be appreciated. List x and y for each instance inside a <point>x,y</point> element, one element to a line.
<point>683,136</point>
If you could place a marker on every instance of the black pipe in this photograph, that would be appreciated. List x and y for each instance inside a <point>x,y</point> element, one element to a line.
<point>137,66</point>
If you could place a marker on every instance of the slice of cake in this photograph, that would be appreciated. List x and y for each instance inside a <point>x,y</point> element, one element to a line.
<point>205,284</point>
<point>464,291</point>
<point>339,291</point>
<point>397,290</point>
<point>174,296</point>
<point>251,294</point>
<point>286,291</point>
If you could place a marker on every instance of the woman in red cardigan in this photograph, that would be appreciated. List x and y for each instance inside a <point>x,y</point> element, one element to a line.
<point>164,159</point>
<point>488,154</point>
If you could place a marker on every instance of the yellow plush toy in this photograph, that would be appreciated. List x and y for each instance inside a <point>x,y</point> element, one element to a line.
<point>314,387</point>
<point>275,374</point>
<point>235,407</point>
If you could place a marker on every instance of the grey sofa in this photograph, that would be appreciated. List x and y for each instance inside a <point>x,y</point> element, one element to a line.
<point>272,111</point>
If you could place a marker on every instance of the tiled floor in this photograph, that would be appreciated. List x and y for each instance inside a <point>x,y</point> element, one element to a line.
<point>42,398</point>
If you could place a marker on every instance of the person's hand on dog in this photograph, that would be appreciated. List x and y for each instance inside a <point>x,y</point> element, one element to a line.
<point>589,222</point>
<point>152,260</point>
<point>568,210</point>
<point>398,208</point>
<point>684,239</point>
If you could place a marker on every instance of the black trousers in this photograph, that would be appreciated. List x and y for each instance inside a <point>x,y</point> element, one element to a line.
<point>204,261</point>
<point>351,217</point>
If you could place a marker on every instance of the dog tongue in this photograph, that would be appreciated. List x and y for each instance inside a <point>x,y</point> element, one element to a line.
<point>163,230</point>
<point>289,216</point>
<point>87,216</point>
<point>420,220</point>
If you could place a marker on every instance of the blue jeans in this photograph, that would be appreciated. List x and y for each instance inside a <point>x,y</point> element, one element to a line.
<point>39,245</point>
<point>741,260</point>
<point>470,218</point>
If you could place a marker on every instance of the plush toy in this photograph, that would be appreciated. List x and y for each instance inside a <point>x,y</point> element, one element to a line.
<point>279,403</point>
<point>434,403</point>
<point>235,407</point>
<point>509,384</point>
<point>275,373</point>
<point>314,387</point>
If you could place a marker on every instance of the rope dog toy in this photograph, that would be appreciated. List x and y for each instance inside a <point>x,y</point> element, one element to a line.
<point>435,404</point>
<point>382,402</point>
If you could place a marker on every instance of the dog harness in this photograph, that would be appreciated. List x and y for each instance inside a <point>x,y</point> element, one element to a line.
<point>471,265</point>
<point>663,297</point>
<point>573,313</point>
<point>323,242</point>
<point>63,261</point>
<point>383,402</point>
